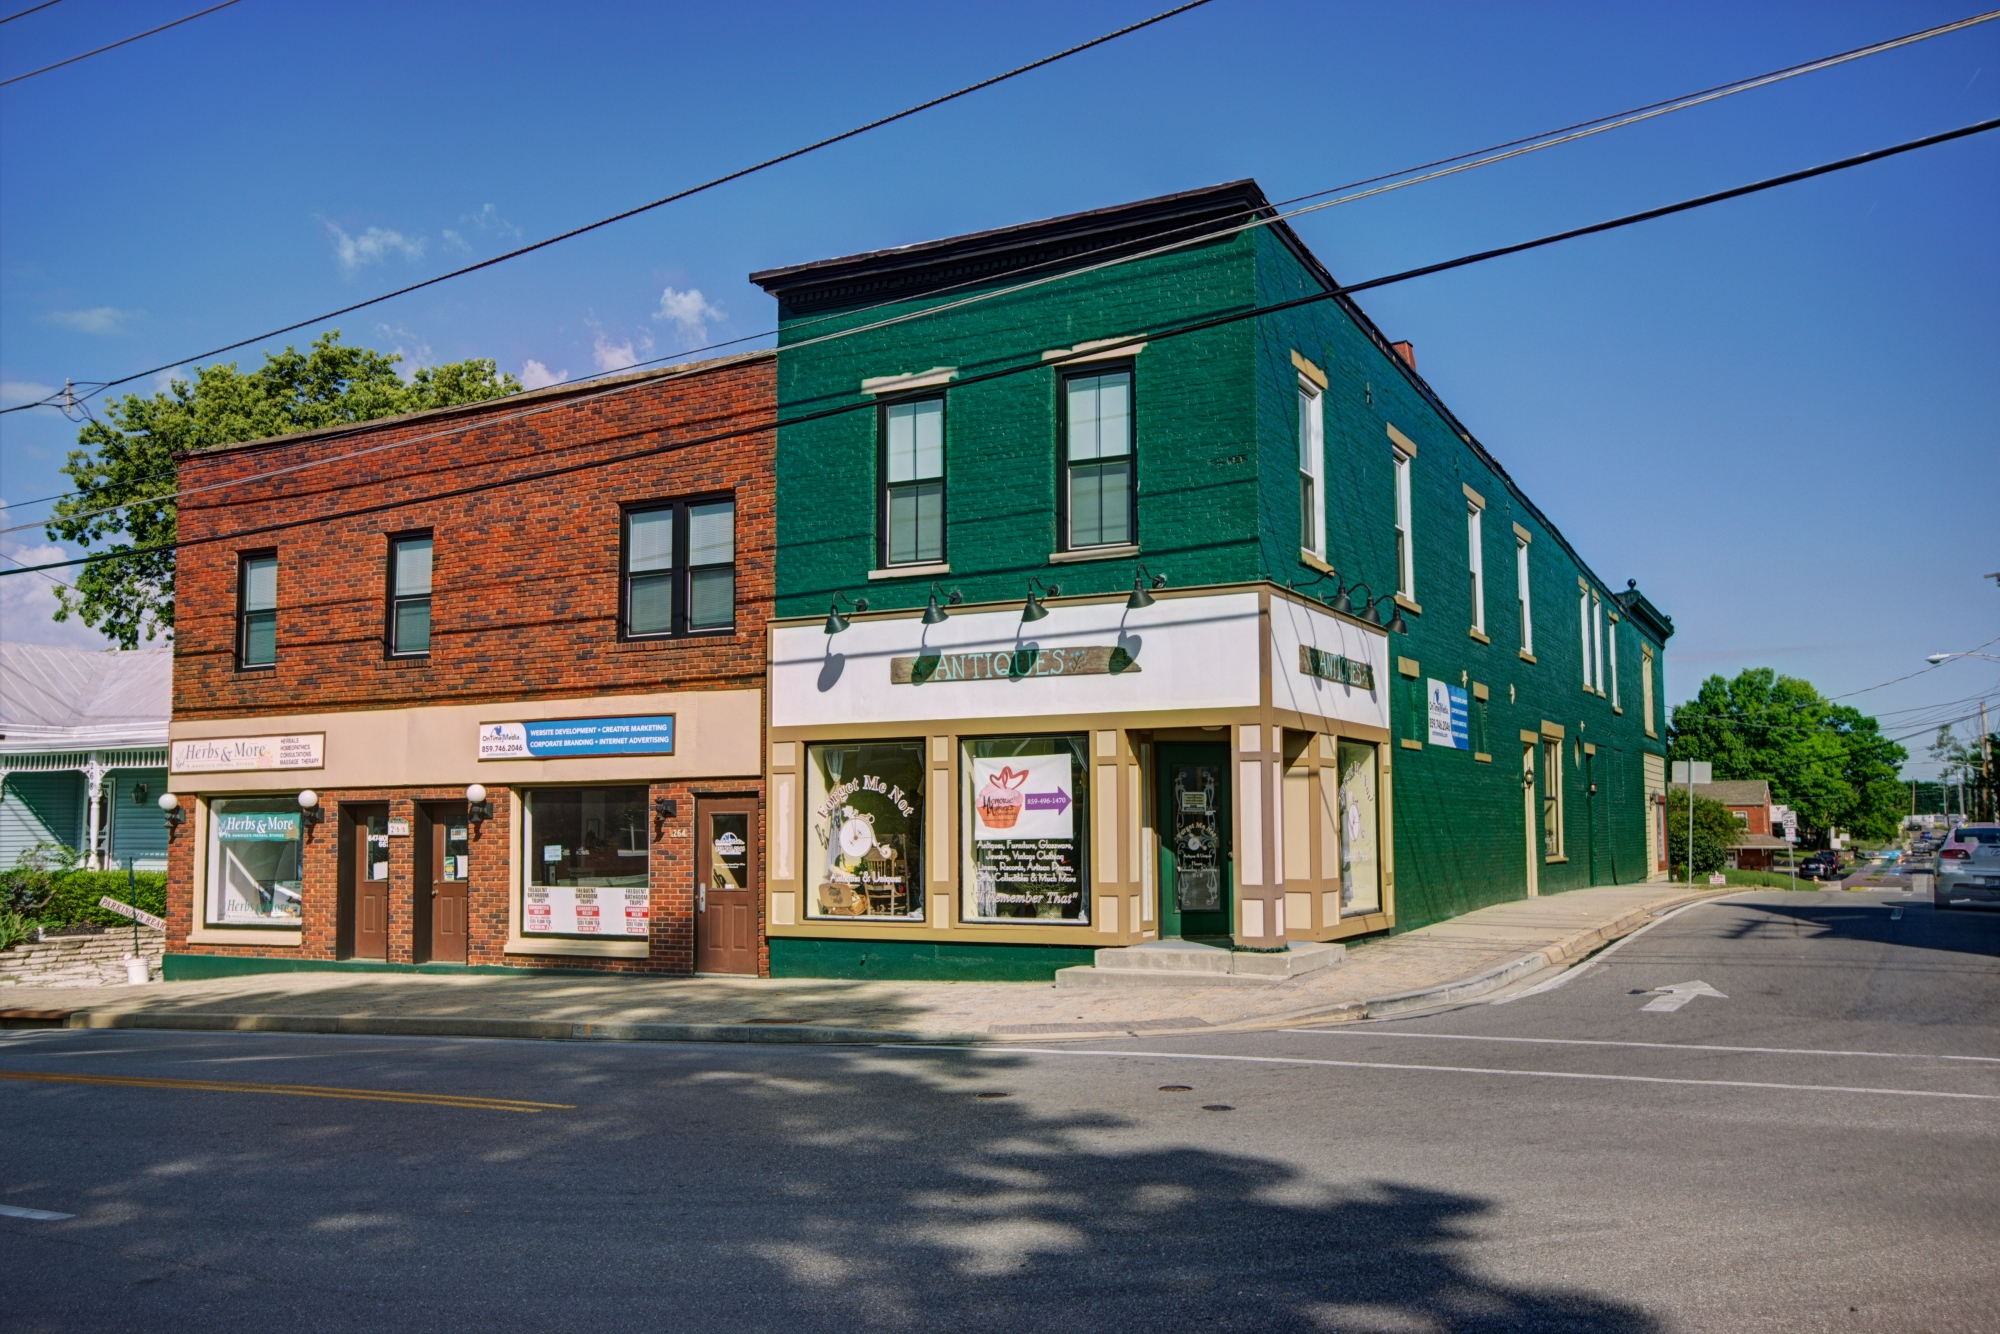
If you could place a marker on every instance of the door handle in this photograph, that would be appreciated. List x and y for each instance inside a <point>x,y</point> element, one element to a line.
<point>434,893</point>
<point>701,898</point>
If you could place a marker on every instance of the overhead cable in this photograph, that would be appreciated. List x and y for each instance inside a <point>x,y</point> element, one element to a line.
<point>31,9</point>
<point>127,41</point>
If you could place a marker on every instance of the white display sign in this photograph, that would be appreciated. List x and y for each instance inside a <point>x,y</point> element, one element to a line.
<point>229,754</point>
<point>1022,797</point>
<point>586,910</point>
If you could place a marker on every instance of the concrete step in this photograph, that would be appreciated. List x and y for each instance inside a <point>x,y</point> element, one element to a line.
<point>1189,964</point>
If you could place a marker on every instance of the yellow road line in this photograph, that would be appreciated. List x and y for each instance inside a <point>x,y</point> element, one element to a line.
<point>296,1090</point>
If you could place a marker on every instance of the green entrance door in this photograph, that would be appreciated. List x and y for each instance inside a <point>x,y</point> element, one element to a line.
<point>1196,874</point>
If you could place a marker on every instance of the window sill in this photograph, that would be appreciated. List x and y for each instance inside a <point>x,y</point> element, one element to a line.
<point>930,571</point>
<point>1481,636</point>
<point>1482,757</point>
<point>1526,656</point>
<point>1408,744</point>
<point>1410,605</point>
<point>1617,710</point>
<point>1554,861</point>
<point>403,664</point>
<point>596,949</point>
<point>1308,559</point>
<point>1123,551</point>
<point>245,935</point>
<point>651,643</point>
<point>1651,733</point>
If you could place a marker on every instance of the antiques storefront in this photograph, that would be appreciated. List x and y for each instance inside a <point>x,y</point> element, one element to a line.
<point>990,796</point>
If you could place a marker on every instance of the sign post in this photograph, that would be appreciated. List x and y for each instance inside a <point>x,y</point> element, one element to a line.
<point>1692,772</point>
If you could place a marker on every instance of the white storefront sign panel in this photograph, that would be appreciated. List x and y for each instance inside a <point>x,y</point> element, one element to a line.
<point>228,754</point>
<point>1328,638</point>
<point>1179,653</point>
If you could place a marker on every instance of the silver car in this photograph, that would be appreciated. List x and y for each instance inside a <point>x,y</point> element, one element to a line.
<point>1968,867</point>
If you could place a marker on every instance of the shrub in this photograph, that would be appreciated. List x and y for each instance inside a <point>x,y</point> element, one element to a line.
<point>1715,828</point>
<point>44,888</point>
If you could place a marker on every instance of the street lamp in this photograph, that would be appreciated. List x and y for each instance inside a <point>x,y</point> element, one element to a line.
<point>1937,658</point>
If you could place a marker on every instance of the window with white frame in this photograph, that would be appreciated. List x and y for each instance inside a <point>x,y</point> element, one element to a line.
<point>1612,634</point>
<point>1521,586</point>
<point>913,482</point>
<point>1475,560</point>
<point>1312,463</point>
<point>1406,561</point>
<point>1646,687</point>
<point>1597,643</point>
<point>1097,458</point>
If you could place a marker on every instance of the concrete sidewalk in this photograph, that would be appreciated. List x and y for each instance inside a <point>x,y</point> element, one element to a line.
<point>1436,965</point>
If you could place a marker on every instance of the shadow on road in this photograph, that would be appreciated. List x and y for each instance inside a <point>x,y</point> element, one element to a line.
<point>1919,927</point>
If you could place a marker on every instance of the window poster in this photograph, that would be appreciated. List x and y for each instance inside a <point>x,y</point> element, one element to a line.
<point>588,872</point>
<point>1360,830</point>
<point>253,862</point>
<point>1025,814</point>
<point>865,829</point>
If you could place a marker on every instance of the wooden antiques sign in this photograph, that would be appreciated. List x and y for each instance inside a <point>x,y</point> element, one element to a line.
<point>1333,667</point>
<point>1011,665</point>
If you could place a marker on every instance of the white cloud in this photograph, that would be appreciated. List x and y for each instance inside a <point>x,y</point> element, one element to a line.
<point>535,375</point>
<point>96,320</point>
<point>23,391</point>
<point>487,221</point>
<point>28,601</point>
<point>611,356</point>
<point>690,310</point>
<point>414,351</point>
<point>372,246</point>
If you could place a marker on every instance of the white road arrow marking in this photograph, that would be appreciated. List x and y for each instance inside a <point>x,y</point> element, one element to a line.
<point>37,1215</point>
<point>1679,994</point>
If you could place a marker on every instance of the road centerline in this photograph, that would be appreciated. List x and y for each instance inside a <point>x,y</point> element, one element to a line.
<point>292,1090</point>
<point>1657,1046</point>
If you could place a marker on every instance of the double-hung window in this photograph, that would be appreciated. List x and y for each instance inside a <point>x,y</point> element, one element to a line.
<point>257,609</point>
<point>1646,687</point>
<point>1597,643</point>
<point>913,482</point>
<point>1475,560</point>
<point>1611,633</point>
<point>1406,560</point>
<point>680,568</point>
<point>1552,797</point>
<point>1521,585</point>
<point>410,595</point>
<point>1097,459</point>
<point>1312,464</point>
<point>1583,627</point>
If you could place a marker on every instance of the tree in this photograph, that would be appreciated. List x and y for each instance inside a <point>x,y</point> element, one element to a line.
<point>125,474</point>
<point>1828,762</point>
<point>1715,828</point>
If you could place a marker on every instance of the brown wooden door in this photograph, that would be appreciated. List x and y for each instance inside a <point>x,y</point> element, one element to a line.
<point>451,874</point>
<point>728,883</point>
<point>371,884</point>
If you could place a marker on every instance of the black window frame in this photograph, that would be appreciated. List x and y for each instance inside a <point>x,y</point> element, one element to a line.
<point>682,572</point>
<point>244,613</point>
<point>390,600</point>
<point>883,484</point>
<point>1130,367</point>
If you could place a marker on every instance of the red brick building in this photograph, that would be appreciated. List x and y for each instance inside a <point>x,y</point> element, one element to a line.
<point>480,686</point>
<point>1749,800</point>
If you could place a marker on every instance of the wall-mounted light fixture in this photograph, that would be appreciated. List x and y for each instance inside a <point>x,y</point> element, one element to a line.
<point>1141,597</point>
<point>478,810</point>
<point>310,812</point>
<point>1034,610</point>
<point>934,614</point>
<point>170,806</point>
<point>664,809</point>
<point>139,793</point>
<point>835,622</point>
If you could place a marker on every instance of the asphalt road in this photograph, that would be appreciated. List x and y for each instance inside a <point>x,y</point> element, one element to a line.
<point>1816,1148</point>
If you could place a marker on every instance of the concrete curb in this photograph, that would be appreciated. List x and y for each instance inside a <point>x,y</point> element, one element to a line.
<point>542,1030</point>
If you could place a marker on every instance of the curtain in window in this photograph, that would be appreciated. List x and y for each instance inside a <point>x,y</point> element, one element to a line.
<point>914,461</point>
<point>649,565</point>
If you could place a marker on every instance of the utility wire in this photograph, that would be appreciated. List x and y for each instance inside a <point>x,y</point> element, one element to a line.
<point>738,174</point>
<point>115,45</point>
<point>31,9</point>
<point>1156,335</point>
<point>1485,156</point>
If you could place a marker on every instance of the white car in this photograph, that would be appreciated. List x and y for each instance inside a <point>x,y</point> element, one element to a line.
<point>1968,867</point>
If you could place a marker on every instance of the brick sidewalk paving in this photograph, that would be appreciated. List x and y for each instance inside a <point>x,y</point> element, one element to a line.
<point>1558,928</point>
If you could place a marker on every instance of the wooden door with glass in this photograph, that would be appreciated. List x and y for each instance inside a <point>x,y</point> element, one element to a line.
<point>728,885</point>
<point>451,883</point>
<point>369,873</point>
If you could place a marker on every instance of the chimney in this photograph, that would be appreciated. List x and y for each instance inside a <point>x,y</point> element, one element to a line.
<point>1408,352</point>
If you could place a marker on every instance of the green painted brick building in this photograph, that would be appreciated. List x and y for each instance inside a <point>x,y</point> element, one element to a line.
<point>1229,639</point>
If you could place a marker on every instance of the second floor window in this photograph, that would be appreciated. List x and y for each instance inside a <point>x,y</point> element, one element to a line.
<point>1475,556</point>
<point>1312,456</point>
<point>1097,448</point>
<point>680,569</point>
<point>257,610</point>
<point>913,482</point>
<point>1521,585</point>
<point>1406,560</point>
<point>410,595</point>
<point>1611,633</point>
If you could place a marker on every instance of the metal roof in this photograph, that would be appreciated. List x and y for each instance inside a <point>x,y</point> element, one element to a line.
<point>83,699</point>
<point>1736,792</point>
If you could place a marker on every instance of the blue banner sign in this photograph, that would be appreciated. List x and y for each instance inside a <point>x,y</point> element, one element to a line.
<point>568,738</point>
<point>1449,710</point>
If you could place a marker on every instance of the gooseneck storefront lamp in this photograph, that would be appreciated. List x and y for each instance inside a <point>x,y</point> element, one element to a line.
<point>934,614</point>
<point>170,806</point>
<point>1141,597</point>
<point>478,810</point>
<point>835,622</point>
<point>1034,610</point>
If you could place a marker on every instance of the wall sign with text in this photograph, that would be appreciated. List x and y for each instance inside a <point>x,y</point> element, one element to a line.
<point>230,754</point>
<point>1333,667</point>
<point>1012,665</point>
<point>567,738</point>
<point>1449,715</point>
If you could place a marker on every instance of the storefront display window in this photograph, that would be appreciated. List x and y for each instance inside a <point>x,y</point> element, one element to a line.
<point>1360,830</point>
<point>588,854</point>
<point>865,817</point>
<point>253,862</point>
<point>1024,803</point>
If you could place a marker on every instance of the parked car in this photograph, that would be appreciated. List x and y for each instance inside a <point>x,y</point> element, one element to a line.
<point>1968,867</point>
<point>1821,866</point>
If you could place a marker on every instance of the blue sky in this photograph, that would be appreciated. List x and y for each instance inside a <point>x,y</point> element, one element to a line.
<point>1779,415</point>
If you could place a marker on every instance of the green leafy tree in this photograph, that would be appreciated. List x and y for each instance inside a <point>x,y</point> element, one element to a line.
<point>1715,828</point>
<point>1827,761</point>
<point>125,475</point>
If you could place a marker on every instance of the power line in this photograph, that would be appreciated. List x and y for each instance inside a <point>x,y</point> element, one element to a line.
<point>115,45</point>
<point>31,9</point>
<point>1109,346</point>
<point>1065,264</point>
<point>738,174</point>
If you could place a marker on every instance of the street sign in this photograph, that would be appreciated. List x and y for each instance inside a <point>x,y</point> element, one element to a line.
<point>127,910</point>
<point>1694,771</point>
